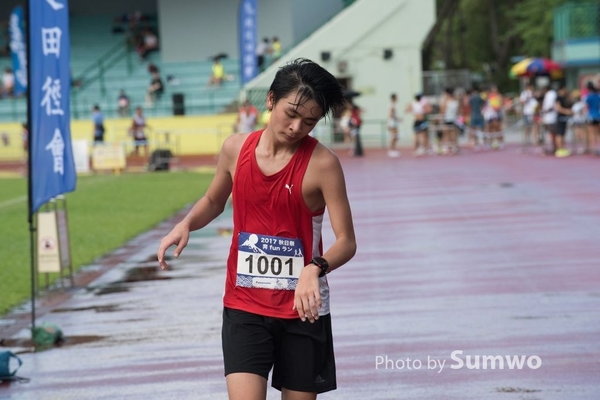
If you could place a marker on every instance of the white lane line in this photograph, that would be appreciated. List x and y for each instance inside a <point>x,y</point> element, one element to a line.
<point>10,202</point>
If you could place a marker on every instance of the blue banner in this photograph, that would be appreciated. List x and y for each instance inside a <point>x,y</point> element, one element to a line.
<point>18,50</point>
<point>248,38</point>
<point>52,165</point>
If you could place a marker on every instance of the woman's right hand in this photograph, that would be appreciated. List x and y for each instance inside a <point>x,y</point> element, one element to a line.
<point>179,236</point>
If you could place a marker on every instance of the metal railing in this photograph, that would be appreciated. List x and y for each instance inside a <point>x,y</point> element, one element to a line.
<point>373,133</point>
<point>434,82</point>
<point>81,106</point>
<point>577,21</point>
<point>97,69</point>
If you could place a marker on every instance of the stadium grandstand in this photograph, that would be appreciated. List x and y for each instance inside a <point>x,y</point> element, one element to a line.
<point>368,48</point>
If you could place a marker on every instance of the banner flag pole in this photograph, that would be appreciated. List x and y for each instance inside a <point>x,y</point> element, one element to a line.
<point>27,35</point>
<point>51,166</point>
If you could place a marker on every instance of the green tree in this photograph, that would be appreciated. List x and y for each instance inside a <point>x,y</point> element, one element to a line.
<point>533,26</point>
<point>484,35</point>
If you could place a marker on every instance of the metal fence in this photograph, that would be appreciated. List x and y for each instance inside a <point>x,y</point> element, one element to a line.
<point>434,82</point>
<point>15,110</point>
<point>577,21</point>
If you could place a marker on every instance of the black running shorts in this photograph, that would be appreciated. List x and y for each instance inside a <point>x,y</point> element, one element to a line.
<point>300,353</point>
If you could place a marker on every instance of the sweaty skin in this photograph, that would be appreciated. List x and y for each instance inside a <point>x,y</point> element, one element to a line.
<point>323,185</point>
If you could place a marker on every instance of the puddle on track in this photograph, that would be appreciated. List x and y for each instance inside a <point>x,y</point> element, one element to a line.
<point>105,308</point>
<point>65,342</point>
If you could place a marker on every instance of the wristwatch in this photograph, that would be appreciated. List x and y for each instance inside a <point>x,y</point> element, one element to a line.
<point>322,264</point>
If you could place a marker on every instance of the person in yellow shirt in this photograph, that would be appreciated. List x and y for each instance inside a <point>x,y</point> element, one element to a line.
<point>265,117</point>
<point>218,73</point>
<point>276,48</point>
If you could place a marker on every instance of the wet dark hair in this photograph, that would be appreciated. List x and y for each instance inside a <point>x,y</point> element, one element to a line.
<point>311,82</point>
<point>591,87</point>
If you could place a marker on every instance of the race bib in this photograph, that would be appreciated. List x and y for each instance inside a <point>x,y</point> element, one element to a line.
<point>268,262</point>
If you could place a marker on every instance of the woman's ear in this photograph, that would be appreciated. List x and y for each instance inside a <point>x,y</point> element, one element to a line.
<point>270,101</point>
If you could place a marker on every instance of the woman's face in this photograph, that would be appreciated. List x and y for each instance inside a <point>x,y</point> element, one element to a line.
<point>290,121</point>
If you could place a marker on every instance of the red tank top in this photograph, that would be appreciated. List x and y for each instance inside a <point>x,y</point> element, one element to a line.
<point>274,234</point>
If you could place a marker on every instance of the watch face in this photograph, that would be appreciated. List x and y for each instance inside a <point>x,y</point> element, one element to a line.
<point>321,262</point>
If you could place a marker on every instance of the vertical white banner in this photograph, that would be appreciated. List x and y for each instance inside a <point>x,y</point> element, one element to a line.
<point>48,253</point>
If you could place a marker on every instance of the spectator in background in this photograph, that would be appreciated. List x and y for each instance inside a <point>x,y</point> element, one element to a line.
<point>265,118</point>
<point>549,115</point>
<point>592,101</point>
<point>392,126</point>
<point>538,138</point>
<point>155,90</point>
<point>98,120</point>
<point>563,110</point>
<point>25,136</point>
<point>493,114</point>
<point>152,68</point>
<point>476,121</point>
<point>355,125</point>
<point>137,132</point>
<point>148,43</point>
<point>579,121</point>
<point>123,104</point>
<point>420,108</point>
<point>76,83</point>
<point>529,105</point>
<point>262,49</point>
<point>218,73</point>
<point>132,19</point>
<point>346,128</point>
<point>449,108</point>
<point>8,83</point>
<point>276,48</point>
<point>247,118</point>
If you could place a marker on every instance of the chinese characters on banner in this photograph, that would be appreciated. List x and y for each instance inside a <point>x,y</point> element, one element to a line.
<point>18,50</point>
<point>248,37</point>
<point>52,165</point>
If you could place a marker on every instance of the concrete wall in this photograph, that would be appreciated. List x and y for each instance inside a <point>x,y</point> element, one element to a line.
<point>87,7</point>
<point>308,15</point>
<point>192,30</point>
<point>358,36</point>
<point>186,134</point>
<point>111,7</point>
<point>579,57</point>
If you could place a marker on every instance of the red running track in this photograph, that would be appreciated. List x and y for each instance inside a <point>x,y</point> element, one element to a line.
<point>493,254</point>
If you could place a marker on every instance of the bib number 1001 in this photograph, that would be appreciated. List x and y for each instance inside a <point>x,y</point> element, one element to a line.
<point>263,265</point>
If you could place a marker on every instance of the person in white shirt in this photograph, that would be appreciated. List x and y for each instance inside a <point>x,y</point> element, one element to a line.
<point>579,121</point>
<point>549,115</point>
<point>529,105</point>
<point>449,109</point>
<point>263,48</point>
<point>419,109</point>
<point>392,126</point>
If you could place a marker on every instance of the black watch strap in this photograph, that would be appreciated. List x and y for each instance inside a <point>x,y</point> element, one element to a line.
<point>322,264</point>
